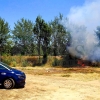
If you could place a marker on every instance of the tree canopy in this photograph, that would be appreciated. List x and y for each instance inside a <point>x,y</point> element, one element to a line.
<point>23,36</point>
<point>4,34</point>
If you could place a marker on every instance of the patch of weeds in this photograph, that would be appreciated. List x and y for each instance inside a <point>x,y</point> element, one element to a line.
<point>40,73</point>
<point>24,63</point>
<point>56,62</point>
<point>14,64</point>
<point>65,75</point>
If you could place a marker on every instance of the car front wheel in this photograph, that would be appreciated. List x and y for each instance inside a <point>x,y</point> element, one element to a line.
<point>9,83</point>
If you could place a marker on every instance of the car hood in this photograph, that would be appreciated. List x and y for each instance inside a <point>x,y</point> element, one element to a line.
<point>17,71</point>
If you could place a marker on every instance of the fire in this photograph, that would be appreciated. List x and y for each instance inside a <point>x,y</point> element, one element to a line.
<point>81,63</point>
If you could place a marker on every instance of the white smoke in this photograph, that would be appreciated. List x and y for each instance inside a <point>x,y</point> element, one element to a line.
<point>82,23</point>
<point>88,14</point>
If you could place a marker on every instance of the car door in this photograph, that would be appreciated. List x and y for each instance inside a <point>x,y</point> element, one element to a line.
<point>3,71</point>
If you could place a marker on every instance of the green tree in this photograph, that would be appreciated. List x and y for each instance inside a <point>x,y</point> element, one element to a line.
<point>98,33</point>
<point>23,36</point>
<point>60,37</point>
<point>38,33</point>
<point>43,32</point>
<point>46,40</point>
<point>9,46</point>
<point>4,34</point>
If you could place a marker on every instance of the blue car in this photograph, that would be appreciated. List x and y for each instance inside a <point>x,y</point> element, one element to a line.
<point>10,78</point>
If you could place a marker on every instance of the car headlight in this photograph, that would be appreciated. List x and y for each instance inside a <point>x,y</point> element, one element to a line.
<point>20,76</point>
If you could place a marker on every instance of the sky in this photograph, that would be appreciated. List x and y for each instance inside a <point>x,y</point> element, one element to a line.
<point>13,10</point>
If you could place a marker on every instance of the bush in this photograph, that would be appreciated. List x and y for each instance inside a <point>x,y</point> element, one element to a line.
<point>14,63</point>
<point>56,62</point>
<point>6,59</point>
<point>24,63</point>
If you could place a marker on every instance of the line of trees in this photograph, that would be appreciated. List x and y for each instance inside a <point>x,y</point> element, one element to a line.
<point>38,38</point>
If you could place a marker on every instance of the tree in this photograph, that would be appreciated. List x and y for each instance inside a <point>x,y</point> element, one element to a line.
<point>59,37</point>
<point>23,36</point>
<point>98,33</point>
<point>38,32</point>
<point>4,34</point>
<point>46,40</point>
<point>43,32</point>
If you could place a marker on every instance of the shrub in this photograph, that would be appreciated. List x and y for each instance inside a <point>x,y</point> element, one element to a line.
<point>56,62</point>
<point>24,63</point>
<point>7,59</point>
<point>14,63</point>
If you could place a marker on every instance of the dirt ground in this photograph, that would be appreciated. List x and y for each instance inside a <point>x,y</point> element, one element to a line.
<point>56,86</point>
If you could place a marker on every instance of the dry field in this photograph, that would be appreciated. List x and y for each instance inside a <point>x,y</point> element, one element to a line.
<point>57,84</point>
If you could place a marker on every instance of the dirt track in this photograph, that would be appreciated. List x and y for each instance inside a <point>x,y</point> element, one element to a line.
<point>40,87</point>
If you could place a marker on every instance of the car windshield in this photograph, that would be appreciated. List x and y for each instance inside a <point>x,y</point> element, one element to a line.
<point>5,65</point>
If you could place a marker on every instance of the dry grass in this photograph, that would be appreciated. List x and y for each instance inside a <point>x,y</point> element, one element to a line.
<point>47,83</point>
<point>27,60</point>
<point>57,84</point>
<point>54,83</point>
<point>85,74</point>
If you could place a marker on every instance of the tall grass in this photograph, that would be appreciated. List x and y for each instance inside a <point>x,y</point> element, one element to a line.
<point>24,61</point>
<point>20,61</point>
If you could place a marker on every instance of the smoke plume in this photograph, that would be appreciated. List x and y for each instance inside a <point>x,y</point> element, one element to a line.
<point>82,23</point>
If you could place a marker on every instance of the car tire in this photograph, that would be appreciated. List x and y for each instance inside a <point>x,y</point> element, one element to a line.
<point>9,83</point>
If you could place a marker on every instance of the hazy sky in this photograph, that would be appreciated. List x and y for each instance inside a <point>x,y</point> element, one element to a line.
<point>14,10</point>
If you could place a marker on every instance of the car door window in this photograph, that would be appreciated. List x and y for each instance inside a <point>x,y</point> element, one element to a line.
<point>1,67</point>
